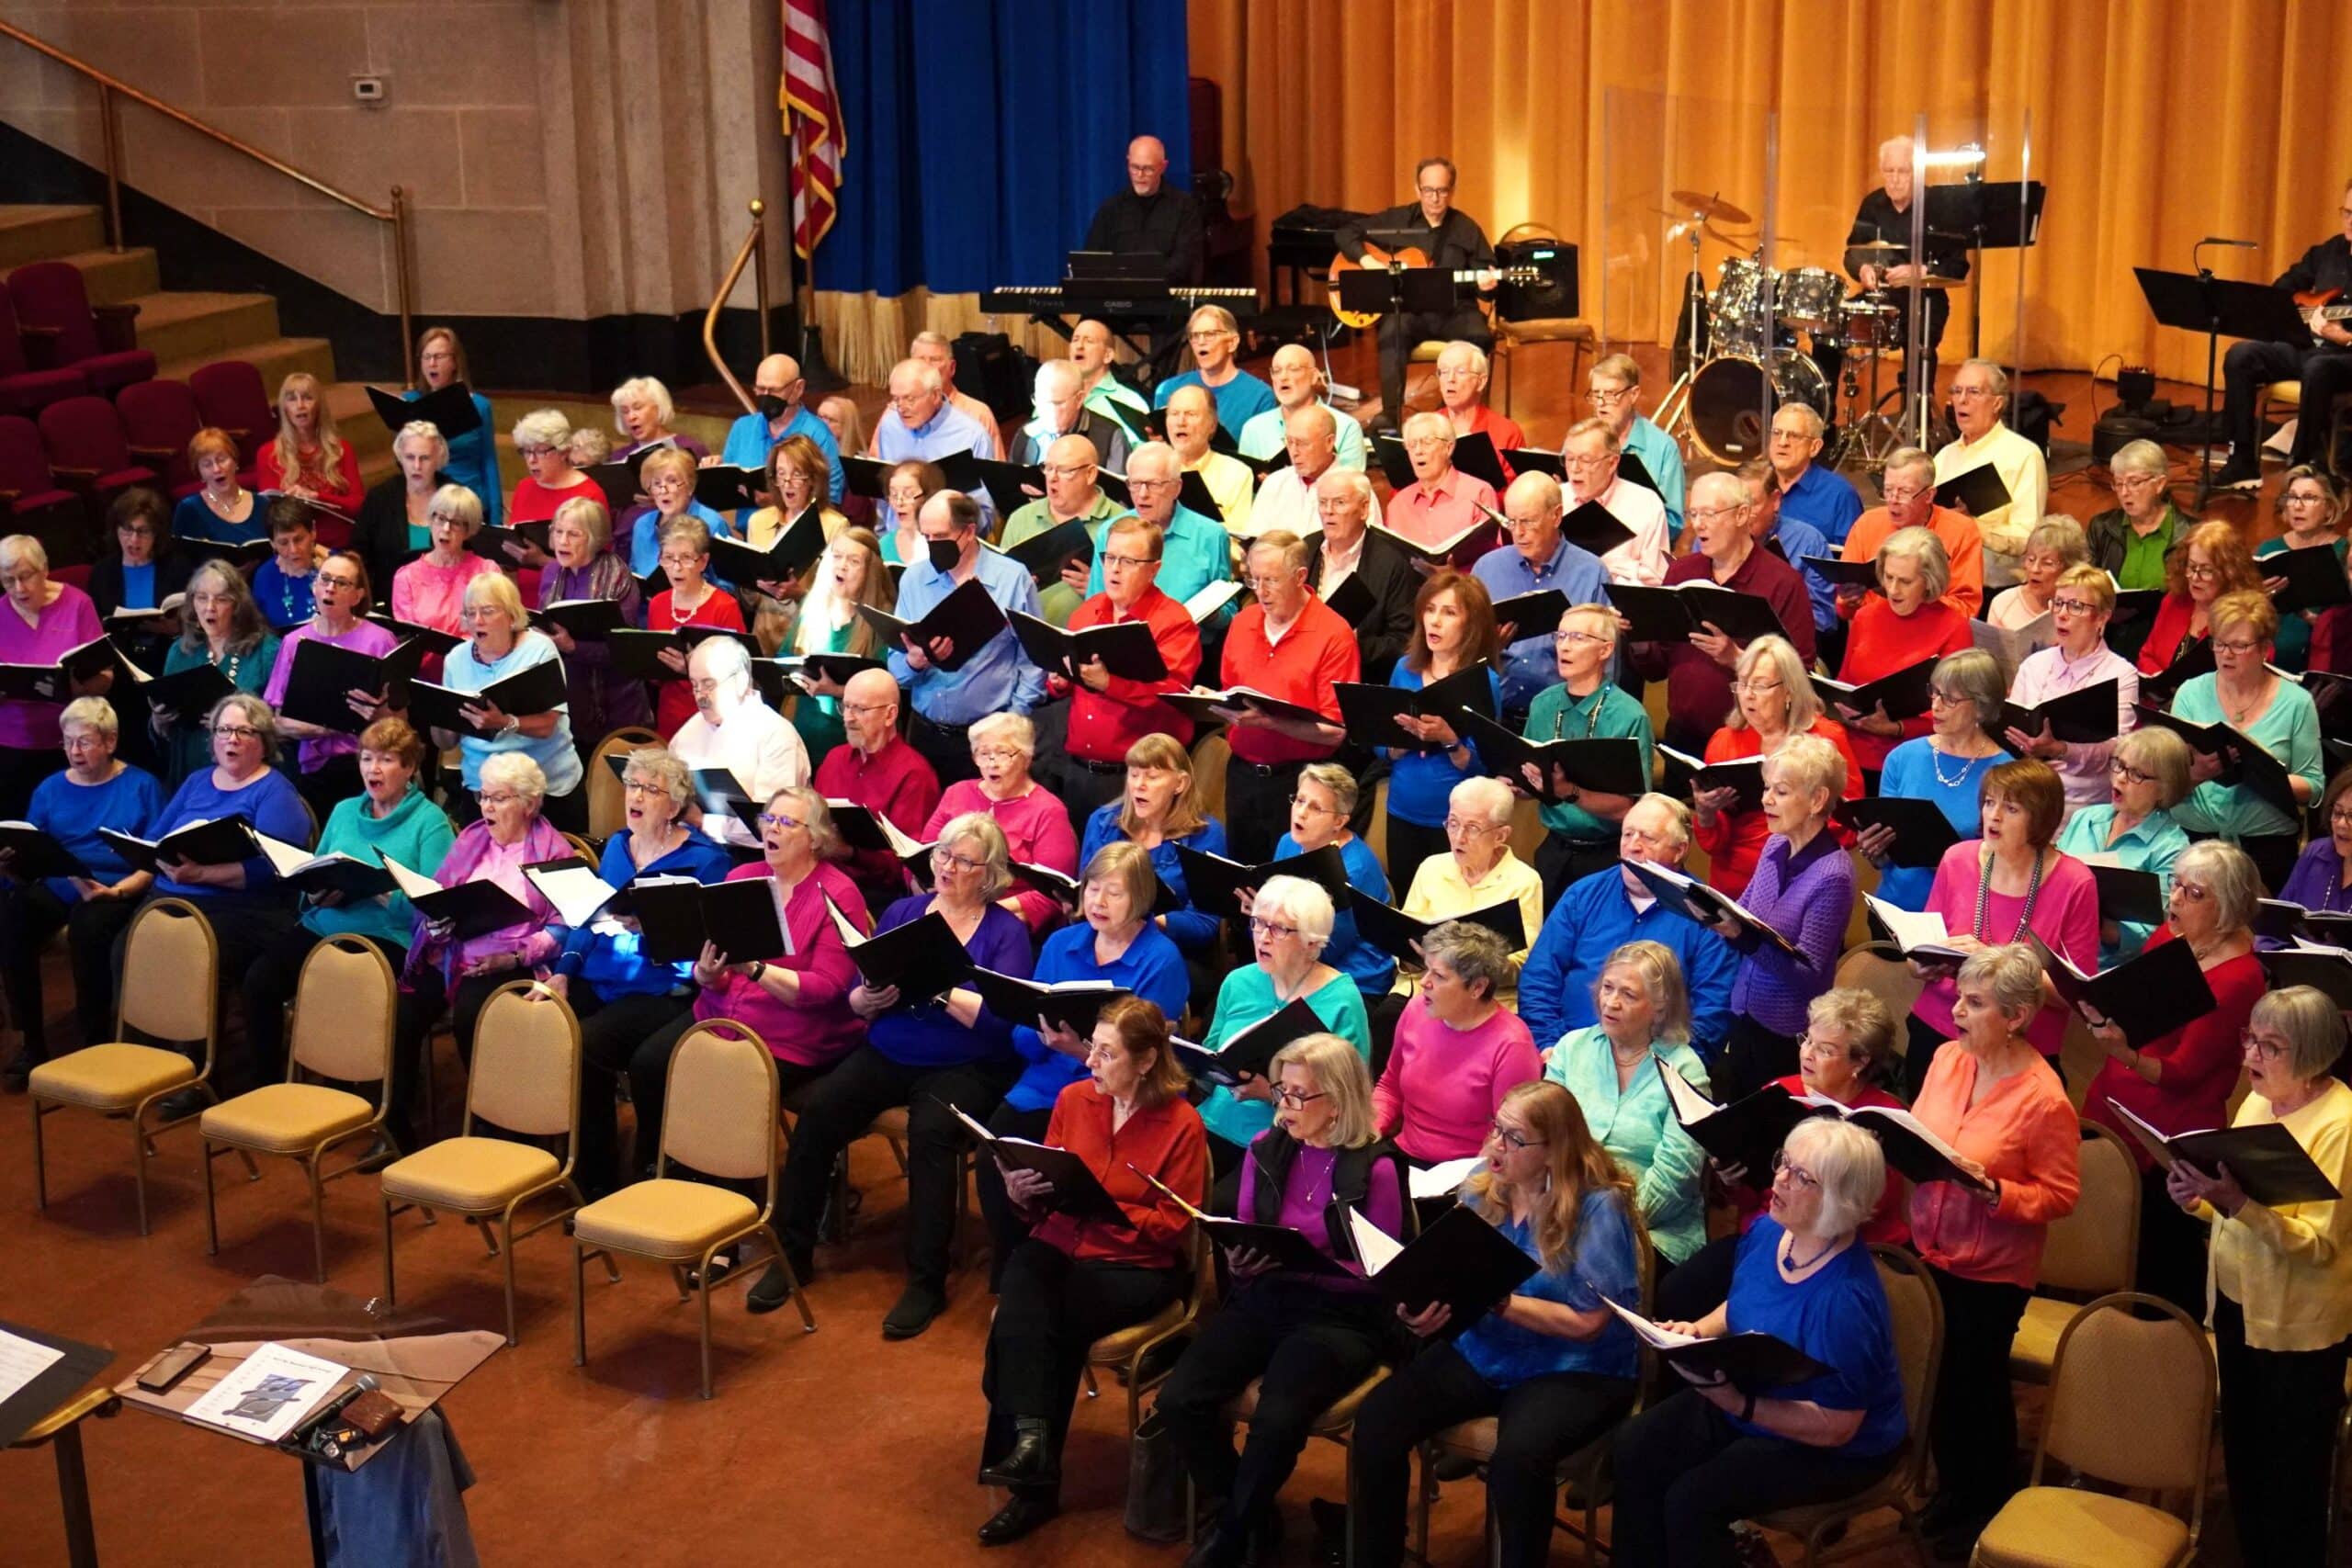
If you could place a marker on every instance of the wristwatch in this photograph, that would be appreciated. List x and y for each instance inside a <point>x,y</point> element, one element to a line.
<point>513,727</point>
<point>759,968</point>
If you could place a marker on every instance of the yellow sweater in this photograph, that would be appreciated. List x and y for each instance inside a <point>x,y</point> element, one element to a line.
<point>2290,1269</point>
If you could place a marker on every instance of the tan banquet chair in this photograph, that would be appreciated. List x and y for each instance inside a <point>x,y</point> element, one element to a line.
<point>343,1032</point>
<point>171,968</point>
<point>525,1083</point>
<point>1123,1349</point>
<point>2094,1250</point>
<point>607,807</point>
<point>2131,1405</point>
<point>1917,1313</point>
<point>719,1118</point>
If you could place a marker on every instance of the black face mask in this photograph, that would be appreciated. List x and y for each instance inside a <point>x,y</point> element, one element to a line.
<point>945,554</point>
<point>771,406</point>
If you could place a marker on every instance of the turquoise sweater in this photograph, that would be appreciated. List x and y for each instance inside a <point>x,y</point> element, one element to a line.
<point>417,834</point>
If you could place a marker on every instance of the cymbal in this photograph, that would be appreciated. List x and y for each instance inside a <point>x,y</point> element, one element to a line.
<point>1882,247</point>
<point>1933,280</point>
<point>1714,207</point>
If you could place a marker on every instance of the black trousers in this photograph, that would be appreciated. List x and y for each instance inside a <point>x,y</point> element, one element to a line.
<point>1411,843</point>
<point>2278,1414</point>
<point>29,915</point>
<point>648,1067</point>
<point>2249,365</point>
<point>2172,1246</point>
<point>1399,333</point>
<point>1560,861</point>
<point>423,1007</point>
<point>1700,1283</point>
<point>239,939</point>
<point>1685,1476</point>
<point>21,770</point>
<point>946,746</point>
<point>269,982</point>
<point>1542,1421</point>
<point>1085,786</point>
<point>1975,1434</point>
<point>610,1035</point>
<point>1257,806</point>
<point>861,1088</point>
<point>1753,1056</point>
<point>1053,1307</point>
<point>1007,1229</point>
<point>1309,1344</point>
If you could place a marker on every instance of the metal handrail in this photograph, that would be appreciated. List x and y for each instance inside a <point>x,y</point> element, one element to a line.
<point>754,243</point>
<point>109,86</point>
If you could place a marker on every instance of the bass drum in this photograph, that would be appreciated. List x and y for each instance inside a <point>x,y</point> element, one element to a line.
<point>1732,407</point>
<point>1739,315</point>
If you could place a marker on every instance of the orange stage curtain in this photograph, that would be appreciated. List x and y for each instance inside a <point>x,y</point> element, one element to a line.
<point>2154,123</point>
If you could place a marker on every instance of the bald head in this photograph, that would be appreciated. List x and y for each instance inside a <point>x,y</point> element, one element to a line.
<point>1718,515</point>
<point>870,709</point>
<point>1311,437</point>
<point>1191,420</point>
<point>1154,474</point>
<point>1146,166</point>
<point>1293,375</point>
<point>776,386</point>
<point>1069,475</point>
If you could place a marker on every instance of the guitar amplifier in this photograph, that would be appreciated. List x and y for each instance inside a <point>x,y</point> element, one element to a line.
<point>1554,297</point>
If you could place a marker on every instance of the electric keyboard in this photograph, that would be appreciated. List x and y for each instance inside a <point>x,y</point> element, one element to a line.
<point>1118,300</point>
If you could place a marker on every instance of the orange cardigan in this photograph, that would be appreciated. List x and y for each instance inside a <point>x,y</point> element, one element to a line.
<point>2026,1136</point>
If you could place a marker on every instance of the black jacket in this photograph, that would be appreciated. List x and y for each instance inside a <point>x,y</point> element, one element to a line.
<point>1166,224</point>
<point>1387,572</point>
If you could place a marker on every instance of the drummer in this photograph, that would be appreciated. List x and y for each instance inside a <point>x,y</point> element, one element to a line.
<point>1884,219</point>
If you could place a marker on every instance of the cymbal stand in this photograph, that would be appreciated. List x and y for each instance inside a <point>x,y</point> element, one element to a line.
<point>1673,413</point>
<point>1864,440</point>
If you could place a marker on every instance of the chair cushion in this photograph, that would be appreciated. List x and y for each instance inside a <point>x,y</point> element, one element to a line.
<point>664,1218</point>
<point>286,1118</point>
<point>33,390</point>
<point>111,1077</point>
<point>469,1175</point>
<point>1545,329</point>
<point>1472,1439</point>
<point>1120,1344</point>
<point>2047,1526</point>
<point>2036,1346</point>
<point>2288,394</point>
<point>110,371</point>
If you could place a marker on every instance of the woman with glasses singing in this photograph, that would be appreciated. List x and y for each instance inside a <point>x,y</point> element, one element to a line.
<point>692,599</point>
<point>1611,1065</point>
<point>1580,824</point>
<point>909,484</point>
<point>2309,508</point>
<point>1694,1464</point>
<point>2079,608</point>
<point>1320,804</point>
<point>2181,1081</point>
<point>924,1052</point>
<point>2214,562</point>
<point>1992,1095</point>
<point>848,575</point>
<point>1308,1339</point>
<point>582,565</point>
<point>1550,1361</point>
<point>220,626</point>
<point>431,590</point>
<point>2133,541</point>
<point>1158,812</point>
<point>1290,925</point>
<point>1774,701</point>
<point>500,643</point>
<point>2282,1284</point>
<point>2276,715</point>
<point>1906,621</point>
<point>1457,1050</point>
<point>620,996</point>
<point>327,761</point>
<point>43,620</point>
<point>2051,550</point>
<point>142,570</point>
<point>2147,777</point>
<point>1946,765</point>
<point>1034,822</point>
<point>2322,875</point>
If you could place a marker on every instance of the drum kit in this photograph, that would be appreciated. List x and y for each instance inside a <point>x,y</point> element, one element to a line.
<point>1746,364</point>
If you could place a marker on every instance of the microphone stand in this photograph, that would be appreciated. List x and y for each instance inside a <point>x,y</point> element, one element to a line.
<point>2212,359</point>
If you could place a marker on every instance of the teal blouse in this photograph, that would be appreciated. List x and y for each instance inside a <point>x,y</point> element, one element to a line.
<point>2152,844</point>
<point>1609,713</point>
<point>185,747</point>
<point>1247,996</point>
<point>1638,1126</point>
<point>2287,729</point>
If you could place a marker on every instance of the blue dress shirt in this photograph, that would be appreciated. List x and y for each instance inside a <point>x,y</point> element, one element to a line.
<point>1529,664</point>
<point>1827,500</point>
<point>1593,919</point>
<point>998,678</point>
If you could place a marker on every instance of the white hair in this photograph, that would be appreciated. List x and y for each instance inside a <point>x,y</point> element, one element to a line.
<point>643,388</point>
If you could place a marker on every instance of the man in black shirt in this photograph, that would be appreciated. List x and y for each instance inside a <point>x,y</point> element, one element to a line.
<point>1451,241</point>
<point>1151,216</point>
<point>2321,360</point>
<point>1883,216</point>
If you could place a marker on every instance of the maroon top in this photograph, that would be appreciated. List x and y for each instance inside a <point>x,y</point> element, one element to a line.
<point>1698,690</point>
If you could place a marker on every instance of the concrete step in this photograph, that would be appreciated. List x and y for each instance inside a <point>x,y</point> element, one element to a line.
<point>274,357</point>
<point>38,234</point>
<point>112,277</point>
<point>201,325</point>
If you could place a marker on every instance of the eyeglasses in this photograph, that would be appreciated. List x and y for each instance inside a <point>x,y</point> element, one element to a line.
<point>2193,892</point>
<point>778,819</point>
<point>1799,1176</point>
<point>1511,1137</point>
<point>2302,498</point>
<point>1271,927</point>
<point>863,710</point>
<point>1602,400</point>
<point>1937,694</point>
<point>1436,190</point>
<point>1710,514</point>
<point>1475,829</point>
<point>2269,1050</point>
<point>643,786</point>
<point>2200,569</point>
<point>1300,803</point>
<point>993,753</point>
<point>1267,584</point>
<point>2074,606</point>
<point>2341,817</point>
<point>2239,647</point>
<point>1900,497</point>
<point>1570,640</point>
<point>235,732</point>
<point>948,860</point>
<point>1756,688</point>
<point>2128,774</point>
<point>1066,471</point>
<point>1967,394</point>
<point>323,581</point>
<point>500,798</point>
<point>1128,563</point>
<point>2136,481</point>
<point>449,517</point>
<point>1297,1099</point>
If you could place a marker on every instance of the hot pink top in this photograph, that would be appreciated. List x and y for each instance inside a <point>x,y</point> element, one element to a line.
<point>70,621</point>
<point>1442,1084</point>
<point>818,1028</point>
<point>1036,829</point>
<point>2065,915</point>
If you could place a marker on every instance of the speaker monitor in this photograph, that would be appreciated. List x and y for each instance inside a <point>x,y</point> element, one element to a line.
<point>1552,296</point>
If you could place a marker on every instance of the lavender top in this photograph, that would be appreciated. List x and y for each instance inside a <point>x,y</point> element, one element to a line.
<point>1807,897</point>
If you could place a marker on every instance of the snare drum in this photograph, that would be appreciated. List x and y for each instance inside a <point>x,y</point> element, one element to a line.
<point>1733,400</point>
<point>1810,298</point>
<point>1864,323</point>
<point>1737,314</point>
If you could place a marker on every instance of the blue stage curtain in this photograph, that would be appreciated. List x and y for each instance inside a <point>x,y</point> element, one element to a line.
<point>984,133</point>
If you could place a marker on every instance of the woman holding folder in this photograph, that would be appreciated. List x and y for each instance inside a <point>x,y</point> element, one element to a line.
<point>2282,1286</point>
<point>2181,1081</point>
<point>1947,766</point>
<point>850,573</point>
<point>2147,777</point>
<point>221,627</point>
<point>2079,609</point>
<point>1310,1337</point>
<point>1453,630</point>
<point>2213,563</point>
<point>1993,1097</point>
<point>1551,1361</point>
<point>327,761</point>
<point>1692,1466</point>
<point>1774,699</point>
<point>500,644</point>
<point>2275,713</point>
<point>1078,1277</point>
<point>1906,621</point>
<point>579,541</point>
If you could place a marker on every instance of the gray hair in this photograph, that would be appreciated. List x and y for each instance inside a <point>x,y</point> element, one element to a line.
<point>2012,972</point>
<point>1678,813</point>
<point>2311,1023</point>
<point>2139,457</point>
<point>1975,674</point>
<point>1847,1163</point>
<point>1428,422</point>
<point>92,713</point>
<point>925,377</point>
<point>1060,373</point>
<point>2153,749</point>
<point>592,519</point>
<point>1870,1028</point>
<point>1340,781</point>
<point>1894,143</point>
<point>2063,537</point>
<point>2228,874</point>
<point>1804,703</point>
<point>1997,380</point>
<point>1814,423</point>
<point>1013,728</point>
<point>516,771</point>
<point>1490,797</point>
<point>460,503</point>
<point>660,765</point>
<point>258,713</point>
<point>543,427</point>
<point>643,388</point>
<point>1473,952</point>
<point>1326,422</point>
<point>1464,349</point>
<point>1922,545</point>
<point>1302,903</point>
<point>824,837</point>
<point>1810,762</point>
<point>721,657</point>
<point>1909,457</point>
<point>993,848</point>
<point>23,547</point>
<point>429,434</point>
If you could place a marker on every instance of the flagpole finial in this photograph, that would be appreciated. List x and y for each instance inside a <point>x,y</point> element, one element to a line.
<point>758,207</point>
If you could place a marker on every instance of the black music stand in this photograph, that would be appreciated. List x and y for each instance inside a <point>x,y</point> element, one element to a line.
<point>2218,307</point>
<point>1998,215</point>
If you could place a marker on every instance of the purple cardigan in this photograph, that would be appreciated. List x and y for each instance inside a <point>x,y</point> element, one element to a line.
<point>476,854</point>
<point>2317,881</point>
<point>1807,897</point>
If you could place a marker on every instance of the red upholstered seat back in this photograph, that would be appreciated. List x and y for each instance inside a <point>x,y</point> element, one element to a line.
<point>24,466</point>
<point>230,395</point>
<point>158,418</point>
<point>48,296</point>
<point>85,432</point>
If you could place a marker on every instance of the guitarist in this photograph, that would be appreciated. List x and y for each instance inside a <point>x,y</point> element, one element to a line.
<point>2321,360</point>
<point>1450,240</point>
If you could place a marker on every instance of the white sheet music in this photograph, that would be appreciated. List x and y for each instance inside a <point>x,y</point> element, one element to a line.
<point>22,1360</point>
<point>267,1393</point>
<point>1439,1180</point>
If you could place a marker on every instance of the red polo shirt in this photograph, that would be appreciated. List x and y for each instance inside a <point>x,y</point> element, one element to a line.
<point>1103,723</point>
<point>1165,1140</point>
<point>895,782</point>
<point>1315,655</point>
<point>1503,431</point>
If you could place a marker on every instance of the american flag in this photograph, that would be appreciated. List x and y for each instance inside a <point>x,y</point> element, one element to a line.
<point>812,122</point>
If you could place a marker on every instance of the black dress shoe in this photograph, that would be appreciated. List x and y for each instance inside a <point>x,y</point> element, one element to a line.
<point>179,1107</point>
<point>771,1289</point>
<point>917,1307</point>
<point>1017,1518</point>
<point>1219,1548</point>
<point>1029,1462</point>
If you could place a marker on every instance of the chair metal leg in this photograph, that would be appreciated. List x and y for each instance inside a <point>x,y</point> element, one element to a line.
<point>507,1258</point>
<point>702,1298</point>
<point>392,1292</point>
<point>41,1167</point>
<point>211,1206</point>
<point>1091,1391</point>
<point>579,1306</point>
<point>318,1216</point>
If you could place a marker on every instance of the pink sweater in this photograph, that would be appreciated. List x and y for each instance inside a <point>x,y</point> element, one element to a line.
<point>1036,829</point>
<point>2065,915</point>
<point>1442,1084</point>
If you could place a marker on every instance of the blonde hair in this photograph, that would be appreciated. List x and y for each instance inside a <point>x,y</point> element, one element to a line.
<point>287,449</point>
<point>1577,1164</point>
<point>499,589</point>
<point>1810,763</point>
<point>1804,704</point>
<point>592,519</point>
<point>457,351</point>
<point>1341,1074</point>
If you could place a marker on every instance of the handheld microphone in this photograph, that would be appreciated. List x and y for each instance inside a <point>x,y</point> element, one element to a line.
<point>2238,244</point>
<point>317,1427</point>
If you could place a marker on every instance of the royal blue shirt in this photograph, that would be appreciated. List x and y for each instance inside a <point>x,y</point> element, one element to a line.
<point>608,955</point>
<point>72,814</point>
<point>1839,1317</point>
<point>269,804</point>
<point>924,1035</point>
<point>997,679</point>
<point>1826,499</point>
<point>1150,967</point>
<point>749,441</point>
<point>1593,919</point>
<point>1529,663</point>
<point>1374,972</point>
<point>1799,539</point>
<point>645,537</point>
<point>1601,1263</point>
<point>1188,927</point>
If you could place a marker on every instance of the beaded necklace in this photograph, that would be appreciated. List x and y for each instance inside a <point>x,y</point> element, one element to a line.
<point>1985,896</point>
